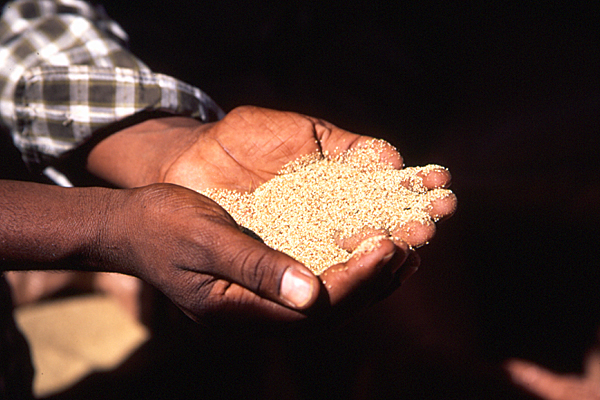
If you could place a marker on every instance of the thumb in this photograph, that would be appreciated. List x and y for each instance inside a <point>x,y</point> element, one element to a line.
<point>268,273</point>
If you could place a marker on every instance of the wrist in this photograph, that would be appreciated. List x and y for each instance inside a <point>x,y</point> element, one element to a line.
<point>108,225</point>
<point>141,154</point>
<point>49,227</point>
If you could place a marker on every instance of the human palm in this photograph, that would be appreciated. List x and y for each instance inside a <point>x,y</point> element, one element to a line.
<point>251,145</point>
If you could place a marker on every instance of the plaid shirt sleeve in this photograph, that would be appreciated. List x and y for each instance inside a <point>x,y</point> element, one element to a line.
<point>65,72</point>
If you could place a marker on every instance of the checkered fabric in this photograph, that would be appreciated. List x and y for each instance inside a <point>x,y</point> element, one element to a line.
<point>65,72</point>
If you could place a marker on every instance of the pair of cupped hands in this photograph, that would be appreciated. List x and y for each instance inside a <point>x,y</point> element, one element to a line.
<point>163,231</point>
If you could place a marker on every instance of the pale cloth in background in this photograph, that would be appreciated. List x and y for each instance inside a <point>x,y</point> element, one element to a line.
<point>73,337</point>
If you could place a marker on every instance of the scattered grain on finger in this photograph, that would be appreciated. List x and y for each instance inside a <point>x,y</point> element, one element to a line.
<point>369,245</point>
<point>318,198</point>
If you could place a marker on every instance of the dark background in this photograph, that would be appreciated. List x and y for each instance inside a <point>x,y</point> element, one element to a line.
<point>507,97</point>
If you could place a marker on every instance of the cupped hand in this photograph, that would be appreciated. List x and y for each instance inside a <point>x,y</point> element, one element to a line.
<point>187,246</point>
<point>251,145</point>
<point>201,259</point>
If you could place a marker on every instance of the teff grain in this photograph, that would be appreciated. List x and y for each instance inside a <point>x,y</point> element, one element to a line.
<point>317,200</point>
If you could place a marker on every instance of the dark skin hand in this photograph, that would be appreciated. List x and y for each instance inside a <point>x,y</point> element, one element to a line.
<point>193,250</point>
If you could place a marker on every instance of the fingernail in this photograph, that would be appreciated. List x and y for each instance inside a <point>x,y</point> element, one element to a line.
<point>296,287</point>
<point>388,256</point>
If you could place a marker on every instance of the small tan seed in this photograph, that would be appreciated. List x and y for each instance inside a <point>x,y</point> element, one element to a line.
<point>316,200</point>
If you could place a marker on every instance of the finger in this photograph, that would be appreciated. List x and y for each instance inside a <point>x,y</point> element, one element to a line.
<point>436,177</point>
<point>443,203</point>
<point>352,242</point>
<point>422,179</point>
<point>229,303</point>
<point>368,261</point>
<point>335,141</point>
<point>415,233</point>
<point>266,272</point>
<point>547,384</point>
<point>407,269</point>
<point>373,151</point>
<point>331,139</point>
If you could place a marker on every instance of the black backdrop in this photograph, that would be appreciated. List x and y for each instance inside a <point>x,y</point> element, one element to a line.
<point>506,97</point>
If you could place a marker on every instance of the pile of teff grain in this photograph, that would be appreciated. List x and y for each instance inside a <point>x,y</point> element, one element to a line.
<point>316,201</point>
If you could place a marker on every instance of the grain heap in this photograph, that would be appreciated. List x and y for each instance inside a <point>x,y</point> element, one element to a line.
<point>317,200</point>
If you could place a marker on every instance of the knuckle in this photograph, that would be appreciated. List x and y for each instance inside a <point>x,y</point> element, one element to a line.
<point>257,270</point>
<point>322,131</point>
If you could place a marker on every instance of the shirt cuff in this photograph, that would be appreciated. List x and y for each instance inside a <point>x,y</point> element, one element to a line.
<point>57,108</point>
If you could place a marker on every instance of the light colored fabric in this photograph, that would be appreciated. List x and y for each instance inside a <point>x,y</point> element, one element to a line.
<point>73,337</point>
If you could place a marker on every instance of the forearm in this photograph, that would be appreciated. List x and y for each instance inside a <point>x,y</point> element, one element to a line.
<point>48,227</point>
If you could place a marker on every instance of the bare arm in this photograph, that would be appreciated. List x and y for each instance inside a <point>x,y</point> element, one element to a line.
<point>184,243</point>
<point>170,236</point>
<point>48,227</point>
